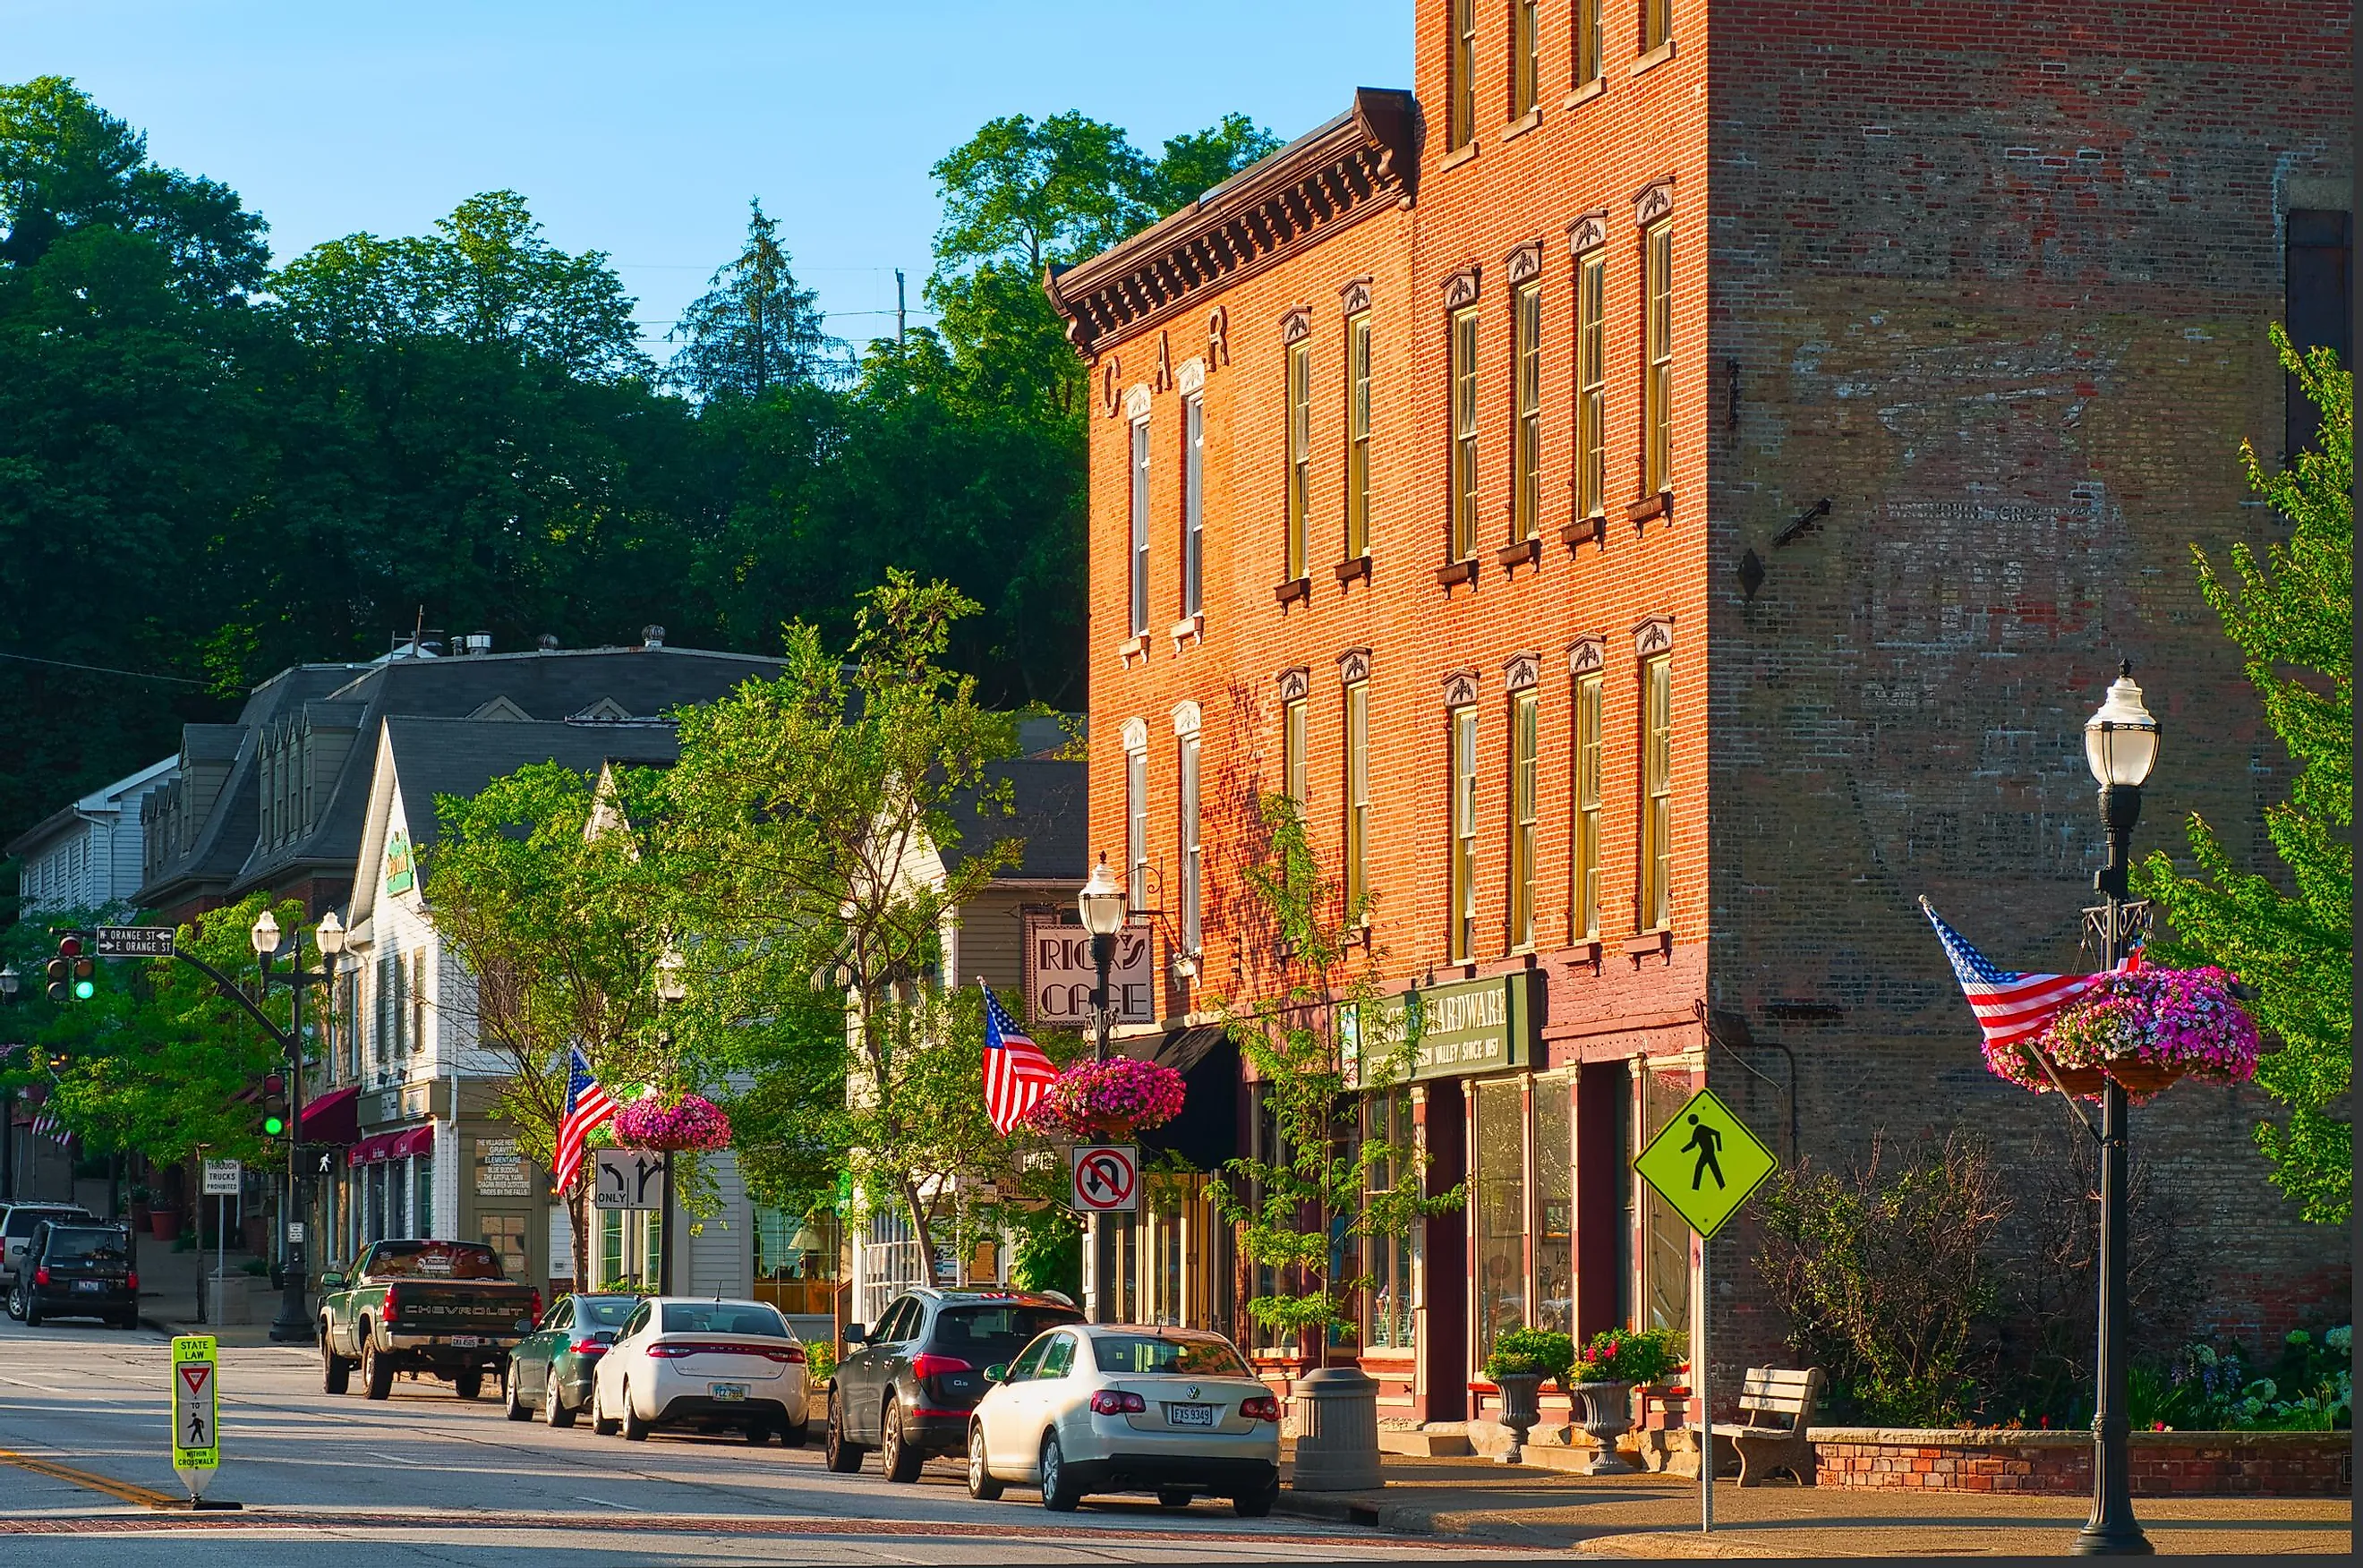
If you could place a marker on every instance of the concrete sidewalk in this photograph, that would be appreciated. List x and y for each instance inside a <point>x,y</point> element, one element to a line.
<point>169,1287</point>
<point>1658,1516</point>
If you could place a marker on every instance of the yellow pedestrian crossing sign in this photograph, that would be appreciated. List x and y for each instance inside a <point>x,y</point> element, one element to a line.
<point>1706,1163</point>
<point>197,1410</point>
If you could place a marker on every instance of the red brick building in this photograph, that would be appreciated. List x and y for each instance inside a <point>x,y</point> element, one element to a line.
<point>1664,494</point>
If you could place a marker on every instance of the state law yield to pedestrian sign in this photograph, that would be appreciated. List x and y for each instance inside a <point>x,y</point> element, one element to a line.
<point>1107,1177</point>
<point>197,1410</point>
<point>1706,1163</point>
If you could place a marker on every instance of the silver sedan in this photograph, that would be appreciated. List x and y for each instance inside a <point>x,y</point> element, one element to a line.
<point>1121,1408</point>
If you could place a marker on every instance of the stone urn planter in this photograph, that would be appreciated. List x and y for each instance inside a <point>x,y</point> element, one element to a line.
<point>1607,1416</point>
<point>1520,1409</point>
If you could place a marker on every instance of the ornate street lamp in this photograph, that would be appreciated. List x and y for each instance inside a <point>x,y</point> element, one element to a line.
<point>2121,746</point>
<point>1102,902</point>
<point>264,934</point>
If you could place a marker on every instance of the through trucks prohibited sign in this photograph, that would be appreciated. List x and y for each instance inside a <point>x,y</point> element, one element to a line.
<point>196,1409</point>
<point>1107,1177</point>
<point>1706,1163</point>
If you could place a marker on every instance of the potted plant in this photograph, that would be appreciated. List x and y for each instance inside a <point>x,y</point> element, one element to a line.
<point>1519,1362</point>
<point>691,1122</point>
<point>1604,1377</point>
<point>163,1223</point>
<point>1108,1102</point>
<point>140,1205</point>
<point>2145,1028</point>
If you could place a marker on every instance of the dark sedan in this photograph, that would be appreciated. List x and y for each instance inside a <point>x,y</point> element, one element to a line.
<point>75,1270</point>
<point>550,1369</point>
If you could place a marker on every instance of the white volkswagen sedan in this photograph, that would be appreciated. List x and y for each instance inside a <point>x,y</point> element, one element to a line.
<point>1114,1407</point>
<point>717,1365</point>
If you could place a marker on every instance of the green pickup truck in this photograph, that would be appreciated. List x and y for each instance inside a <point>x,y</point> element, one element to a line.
<point>440,1307</point>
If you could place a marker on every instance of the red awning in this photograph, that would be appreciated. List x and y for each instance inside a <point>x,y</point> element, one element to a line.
<point>334,1118</point>
<point>396,1146</point>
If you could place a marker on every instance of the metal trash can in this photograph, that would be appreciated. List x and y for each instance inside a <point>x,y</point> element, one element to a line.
<point>1337,1443</point>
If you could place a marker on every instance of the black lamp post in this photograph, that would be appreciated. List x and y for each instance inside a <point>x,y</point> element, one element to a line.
<point>670,990</point>
<point>2121,745</point>
<point>9,981</point>
<point>294,1324</point>
<point>1102,902</point>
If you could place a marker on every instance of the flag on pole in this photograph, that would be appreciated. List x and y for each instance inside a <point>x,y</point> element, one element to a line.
<point>2011,1008</point>
<point>587,1105</point>
<point>1015,1072</point>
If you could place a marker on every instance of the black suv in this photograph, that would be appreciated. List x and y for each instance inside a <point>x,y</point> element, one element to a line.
<point>79,1270</point>
<point>919,1370</point>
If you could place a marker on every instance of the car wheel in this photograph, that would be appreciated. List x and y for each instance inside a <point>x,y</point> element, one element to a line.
<point>515,1408</point>
<point>554,1412</point>
<point>377,1372</point>
<point>837,1453</point>
<point>901,1460</point>
<point>1257,1504</point>
<point>336,1372</point>
<point>798,1435</point>
<point>634,1428</point>
<point>759,1432</point>
<point>1061,1492</point>
<point>31,1315</point>
<point>980,1484</point>
<point>600,1421</point>
<point>1173,1497</point>
<point>128,1321</point>
<point>468,1384</point>
<point>15,1304</point>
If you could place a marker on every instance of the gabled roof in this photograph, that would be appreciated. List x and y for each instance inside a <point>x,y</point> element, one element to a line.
<point>1051,814</point>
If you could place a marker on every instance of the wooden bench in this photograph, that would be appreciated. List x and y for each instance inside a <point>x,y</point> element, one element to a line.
<point>1767,1442</point>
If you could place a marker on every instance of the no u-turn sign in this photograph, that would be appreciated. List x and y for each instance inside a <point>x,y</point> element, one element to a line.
<point>1106,1178</point>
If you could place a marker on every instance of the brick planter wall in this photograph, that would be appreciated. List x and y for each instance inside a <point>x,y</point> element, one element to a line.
<point>2278,1465</point>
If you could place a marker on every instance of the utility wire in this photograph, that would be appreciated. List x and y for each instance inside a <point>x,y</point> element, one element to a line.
<point>105,669</point>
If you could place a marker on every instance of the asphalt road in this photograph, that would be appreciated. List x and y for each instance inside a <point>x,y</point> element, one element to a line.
<point>425,1478</point>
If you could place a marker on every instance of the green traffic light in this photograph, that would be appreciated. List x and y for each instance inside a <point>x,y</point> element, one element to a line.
<point>85,990</point>
<point>272,1126</point>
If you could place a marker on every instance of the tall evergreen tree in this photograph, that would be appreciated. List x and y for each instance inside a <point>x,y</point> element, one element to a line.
<point>2293,614</point>
<point>754,329</point>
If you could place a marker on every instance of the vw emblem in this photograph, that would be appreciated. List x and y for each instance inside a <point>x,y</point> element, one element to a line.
<point>1194,1391</point>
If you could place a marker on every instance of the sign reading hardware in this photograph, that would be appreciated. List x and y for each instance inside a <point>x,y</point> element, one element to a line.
<point>1706,1163</point>
<point>196,1406</point>
<point>135,941</point>
<point>1473,1026</point>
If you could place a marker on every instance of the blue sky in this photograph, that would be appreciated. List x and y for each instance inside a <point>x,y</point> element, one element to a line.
<point>641,129</point>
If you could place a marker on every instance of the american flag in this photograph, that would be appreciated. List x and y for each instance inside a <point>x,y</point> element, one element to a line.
<point>2011,1008</point>
<point>1015,1071</point>
<point>46,1125</point>
<point>587,1105</point>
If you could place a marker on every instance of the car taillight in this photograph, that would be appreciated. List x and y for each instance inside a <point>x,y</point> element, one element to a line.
<point>672,1352</point>
<point>588,1347</point>
<point>1116,1402</point>
<point>533,1313</point>
<point>1260,1407</point>
<point>131,1281</point>
<point>794,1355</point>
<point>41,1275</point>
<point>928,1364</point>
<point>392,1310</point>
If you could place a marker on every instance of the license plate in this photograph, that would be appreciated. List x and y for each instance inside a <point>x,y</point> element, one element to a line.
<point>467,1342</point>
<point>1190,1415</point>
<point>92,1286</point>
<point>728,1392</point>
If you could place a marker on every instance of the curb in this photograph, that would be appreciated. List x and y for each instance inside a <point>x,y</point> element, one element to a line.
<point>1414,1518</point>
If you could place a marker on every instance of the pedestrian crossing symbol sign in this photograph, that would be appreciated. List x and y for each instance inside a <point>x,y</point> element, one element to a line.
<point>197,1410</point>
<point>1706,1163</point>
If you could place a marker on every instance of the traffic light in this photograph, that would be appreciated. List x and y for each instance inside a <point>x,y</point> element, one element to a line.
<point>272,1123</point>
<point>73,975</point>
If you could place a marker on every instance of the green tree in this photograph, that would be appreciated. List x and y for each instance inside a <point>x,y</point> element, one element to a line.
<point>1319,1032</point>
<point>754,328</point>
<point>1196,161</point>
<point>549,892</point>
<point>2291,612</point>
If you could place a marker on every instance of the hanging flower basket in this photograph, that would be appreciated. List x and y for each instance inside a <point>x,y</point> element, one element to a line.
<point>692,1122</point>
<point>2145,1028</point>
<point>1108,1101</point>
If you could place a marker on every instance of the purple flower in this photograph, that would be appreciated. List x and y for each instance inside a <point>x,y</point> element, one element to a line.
<point>1091,1098</point>
<point>2182,1020</point>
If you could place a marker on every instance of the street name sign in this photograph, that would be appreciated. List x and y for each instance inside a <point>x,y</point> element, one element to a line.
<point>222,1177</point>
<point>1706,1163</point>
<point>1106,1177</point>
<point>627,1180</point>
<point>196,1411</point>
<point>135,941</point>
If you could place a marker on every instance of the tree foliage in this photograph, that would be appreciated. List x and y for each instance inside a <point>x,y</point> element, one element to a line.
<point>2291,612</point>
<point>755,329</point>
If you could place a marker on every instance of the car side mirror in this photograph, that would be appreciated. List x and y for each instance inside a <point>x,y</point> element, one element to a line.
<point>854,1335</point>
<point>997,1373</point>
<point>332,1281</point>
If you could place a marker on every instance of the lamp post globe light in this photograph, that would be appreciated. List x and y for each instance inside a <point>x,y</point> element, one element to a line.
<point>2120,747</point>
<point>329,935</point>
<point>264,934</point>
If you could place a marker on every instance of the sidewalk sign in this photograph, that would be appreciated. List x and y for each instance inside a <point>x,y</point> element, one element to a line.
<point>196,1411</point>
<point>1705,1164</point>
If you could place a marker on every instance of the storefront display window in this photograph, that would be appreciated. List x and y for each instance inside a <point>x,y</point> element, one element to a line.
<point>422,1170</point>
<point>1501,1205</point>
<point>1387,1320</point>
<point>1666,1248</point>
<point>795,1261</point>
<point>1555,1204</point>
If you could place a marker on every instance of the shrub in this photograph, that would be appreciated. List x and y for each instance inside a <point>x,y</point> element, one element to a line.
<point>1883,1277</point>
<point>1546,1351</point>
<point>1628,1355</point>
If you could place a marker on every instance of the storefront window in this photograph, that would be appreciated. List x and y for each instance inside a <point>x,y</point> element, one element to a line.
<point>1500,1219</point>
<point>504,1234</point>
<point>1666,1252</point>
<point>397,1202</point>
<point>422,1168</point>
<point>1387,1316</point>
<point>1554,1204</point>
<point>795,1261</point>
